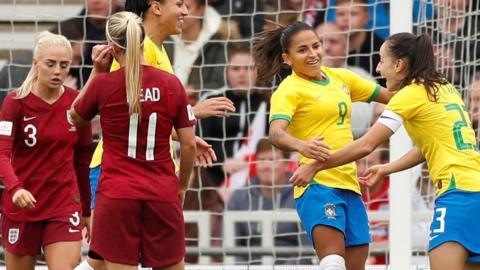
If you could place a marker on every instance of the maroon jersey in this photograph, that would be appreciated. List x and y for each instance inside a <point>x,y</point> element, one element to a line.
<point>43,153</point>
<point>136,162</point>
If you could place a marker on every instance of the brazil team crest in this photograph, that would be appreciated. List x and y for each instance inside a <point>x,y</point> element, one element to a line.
<point>330,211</point>
<point>13,235</point>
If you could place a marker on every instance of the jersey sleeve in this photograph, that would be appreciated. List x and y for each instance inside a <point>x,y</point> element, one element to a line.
<point>185,116</point>
<point>405,103</point>
<point>87,106</point>
<point>9,119</point>
<point>360,89</point>
<point>83,154</point>
<point>283,104</point>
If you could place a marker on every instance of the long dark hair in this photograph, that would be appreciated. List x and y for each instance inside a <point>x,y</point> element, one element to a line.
<point>269,45</point>
<point>418,51</point>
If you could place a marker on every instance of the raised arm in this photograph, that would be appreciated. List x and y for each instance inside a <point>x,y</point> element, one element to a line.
<point>314,149</point>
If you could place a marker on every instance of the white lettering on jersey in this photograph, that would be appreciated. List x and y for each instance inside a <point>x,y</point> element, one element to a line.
<point>152,94</point>
<point>6,128</point>
<point>191,115</point>
<point>75,219</point>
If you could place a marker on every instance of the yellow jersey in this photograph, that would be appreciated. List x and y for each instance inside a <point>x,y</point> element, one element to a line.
<point>323,108</point>
<point>443,132</point>
<point>154,56</point>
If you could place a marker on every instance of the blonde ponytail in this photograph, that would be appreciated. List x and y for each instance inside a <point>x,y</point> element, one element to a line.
<point>125,30</point>
<point>45,40</point>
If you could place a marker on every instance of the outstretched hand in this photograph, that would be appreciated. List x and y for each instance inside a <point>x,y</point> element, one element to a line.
<point>217,106</point>
<point>315,149</point>
<point>304,174</point>
<point>102,58</point>
<point>372,175</point>
<point>205,154</point>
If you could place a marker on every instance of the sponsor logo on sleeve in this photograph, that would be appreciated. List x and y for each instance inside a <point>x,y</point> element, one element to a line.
<point>191,115</point>
<point>6,128</point>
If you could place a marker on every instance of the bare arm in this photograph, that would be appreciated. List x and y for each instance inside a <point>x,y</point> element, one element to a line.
<point>102,59</point>
<point>353,151</point>
<point>315,148</point>
<point>384,96</point>
<point>187,155</point>
<point>377,172</point>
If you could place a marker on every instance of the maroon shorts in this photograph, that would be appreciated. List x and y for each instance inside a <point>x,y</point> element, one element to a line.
<point>129,231</point>
<point>27,238</point>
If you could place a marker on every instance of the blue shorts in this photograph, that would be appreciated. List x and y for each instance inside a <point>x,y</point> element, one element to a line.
<point>455,219</point>
<point>338,208</point>
<point>94,177</point>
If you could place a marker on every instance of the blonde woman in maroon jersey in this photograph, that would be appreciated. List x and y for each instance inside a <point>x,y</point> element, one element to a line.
<point>138,201</point>
<point>43,164</point>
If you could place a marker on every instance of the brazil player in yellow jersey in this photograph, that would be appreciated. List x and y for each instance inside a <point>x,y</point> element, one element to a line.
<point>436,119</point>
<point>310,114</point>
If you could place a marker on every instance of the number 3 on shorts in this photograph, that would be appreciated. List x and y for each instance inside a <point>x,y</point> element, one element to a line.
<point>439,216</point>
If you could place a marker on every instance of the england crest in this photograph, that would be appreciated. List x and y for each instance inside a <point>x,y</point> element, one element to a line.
<point>330,211</point>
<point>13,235</point>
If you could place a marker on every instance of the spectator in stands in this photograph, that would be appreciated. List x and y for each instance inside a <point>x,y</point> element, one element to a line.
<point>198,53</point>
<point>202,195</point>
<point>44,164</point>
<point>277,13</point>
<point>228,135</point>
<point>454,30</point>
<point>247,14</point>
<point>334,43</point>
<point>139,200</point>
<point>268,190</point>
<point>474,104</point>
<point>376,199</point>
<point>310,112</point>
<point>363,44</point>
<point>90,23</point>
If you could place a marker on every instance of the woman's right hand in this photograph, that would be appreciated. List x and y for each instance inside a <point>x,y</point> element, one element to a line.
<point>315,149</point>
<point>23,199</point>
<point>102,58</point>
<point>372,175</point>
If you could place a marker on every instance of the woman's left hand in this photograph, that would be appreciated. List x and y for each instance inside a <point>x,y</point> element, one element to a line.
<point>303,175</point>
<point>205,154</point>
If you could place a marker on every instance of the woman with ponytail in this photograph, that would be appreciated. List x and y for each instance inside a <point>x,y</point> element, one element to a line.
<point>310,114</point>
<point>139,197</point>
<point>44,164</point>
<point>436,119</point>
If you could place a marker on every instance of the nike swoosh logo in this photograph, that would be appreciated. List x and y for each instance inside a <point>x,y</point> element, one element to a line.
<point>433,237</point>
<point>71,230</point>
<point>28,118</point>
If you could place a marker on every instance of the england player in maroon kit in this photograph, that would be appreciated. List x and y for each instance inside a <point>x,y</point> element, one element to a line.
<point>138,201</point>
<point>43,164</point>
